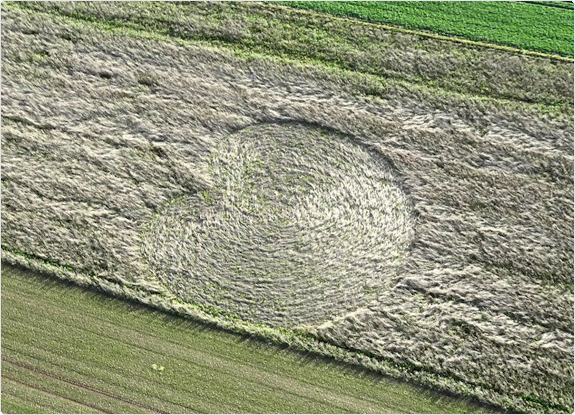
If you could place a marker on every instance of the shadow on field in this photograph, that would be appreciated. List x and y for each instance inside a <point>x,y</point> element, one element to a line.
<point>189,324</point>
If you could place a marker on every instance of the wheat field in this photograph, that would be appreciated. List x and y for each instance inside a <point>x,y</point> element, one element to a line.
<point>420,231</point>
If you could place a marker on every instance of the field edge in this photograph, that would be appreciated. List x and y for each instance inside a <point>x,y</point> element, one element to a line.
<point>296,340</point>
<point>436,35</point>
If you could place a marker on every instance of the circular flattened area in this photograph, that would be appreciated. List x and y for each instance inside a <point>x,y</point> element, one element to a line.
<point>301,226</point>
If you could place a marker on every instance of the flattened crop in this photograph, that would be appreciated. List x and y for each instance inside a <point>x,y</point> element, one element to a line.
<point>422,233</point>
<point>299,226</point>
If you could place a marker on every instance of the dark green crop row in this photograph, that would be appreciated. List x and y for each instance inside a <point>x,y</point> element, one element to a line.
<point>559,4</point>
<point>522,25</point>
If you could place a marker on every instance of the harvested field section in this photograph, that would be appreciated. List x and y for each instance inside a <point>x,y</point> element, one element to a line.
<point>115,134</point>
<point>97,355</point>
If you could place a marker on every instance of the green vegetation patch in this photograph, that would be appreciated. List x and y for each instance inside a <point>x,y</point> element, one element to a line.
<point>67,349</point>
<point>520,25</point>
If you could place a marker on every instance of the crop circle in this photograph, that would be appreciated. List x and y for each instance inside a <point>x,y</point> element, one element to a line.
<point>301,225</point>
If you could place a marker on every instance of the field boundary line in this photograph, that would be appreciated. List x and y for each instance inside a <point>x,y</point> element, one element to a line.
<point>126,30</point>
<point>295,341</point>
<point>53,394</point>
<point>546,4</point>
<point>218,355</point>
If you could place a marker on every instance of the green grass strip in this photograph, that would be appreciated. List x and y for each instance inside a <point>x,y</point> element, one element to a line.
<point>521,25</point>
<point>64,345</point>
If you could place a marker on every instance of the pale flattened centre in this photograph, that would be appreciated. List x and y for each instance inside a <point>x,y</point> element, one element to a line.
<point>301,225</point>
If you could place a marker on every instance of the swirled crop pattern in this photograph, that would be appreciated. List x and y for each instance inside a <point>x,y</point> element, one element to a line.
<point>300,226</point>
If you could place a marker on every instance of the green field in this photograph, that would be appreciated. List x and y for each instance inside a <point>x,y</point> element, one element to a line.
<point>96,355</point>
<point>521,25</point>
